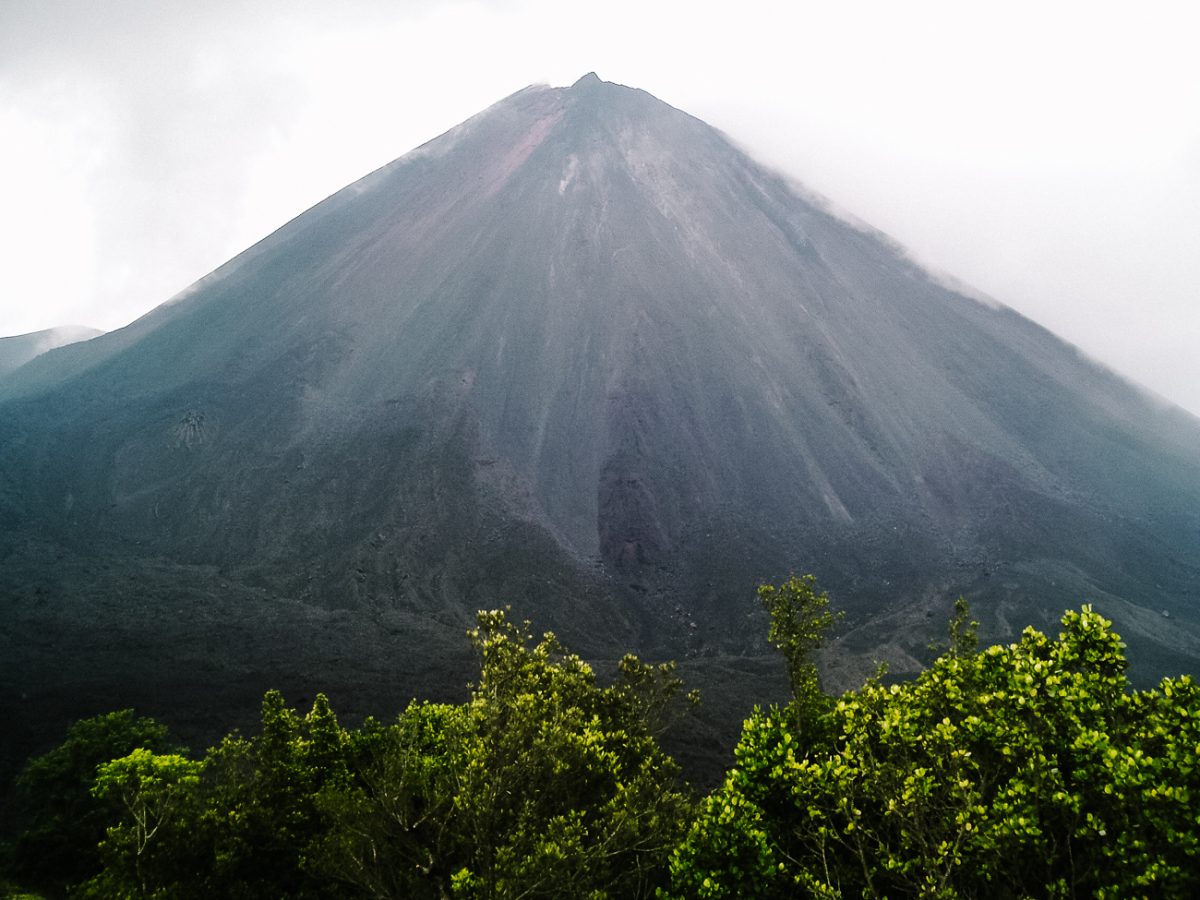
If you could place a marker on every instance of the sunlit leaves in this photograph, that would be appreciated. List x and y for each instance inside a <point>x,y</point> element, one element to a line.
<point>65,822</point>
<point>799,622</point>
<point>1030,769</point>
<point>544,783</point>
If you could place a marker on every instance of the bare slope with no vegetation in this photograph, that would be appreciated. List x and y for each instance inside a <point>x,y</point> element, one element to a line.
<point>581,355</point>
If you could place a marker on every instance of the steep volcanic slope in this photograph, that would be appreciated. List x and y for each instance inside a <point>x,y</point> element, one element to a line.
<point>582,355</point>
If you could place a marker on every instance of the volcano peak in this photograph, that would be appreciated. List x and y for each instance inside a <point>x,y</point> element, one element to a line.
<point>591,79</point>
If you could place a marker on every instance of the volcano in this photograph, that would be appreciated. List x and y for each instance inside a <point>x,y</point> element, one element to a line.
<point>581,355</point>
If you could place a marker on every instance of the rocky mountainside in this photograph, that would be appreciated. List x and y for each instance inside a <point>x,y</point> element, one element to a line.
<point>580,354</point>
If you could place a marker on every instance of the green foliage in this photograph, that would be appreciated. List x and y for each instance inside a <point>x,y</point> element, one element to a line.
<point>543,784</point>
<point>238,824</point>
<point>391,832</point>
<point>800,621</point>
<point>565,790</point>
<point>65,822</point>
<point>10,891</point>
<point>257,820</point>
<point>964,631</point>
<point>153,793</point>
<point>1027,770</point>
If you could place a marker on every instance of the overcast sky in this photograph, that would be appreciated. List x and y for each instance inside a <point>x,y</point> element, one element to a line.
<point>1047,153</point>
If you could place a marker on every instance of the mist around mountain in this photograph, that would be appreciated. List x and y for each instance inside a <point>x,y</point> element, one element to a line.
<point>19,349</point>
<point>581,355</point>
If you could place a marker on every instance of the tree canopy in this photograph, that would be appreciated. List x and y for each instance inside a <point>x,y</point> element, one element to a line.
<point>64,821</point>
<point>1031,769</point>
<point>545,783</point>
<point>1024,770</point>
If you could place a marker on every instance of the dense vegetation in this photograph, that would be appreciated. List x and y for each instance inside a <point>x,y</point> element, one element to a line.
<point>1026,770</point>
<point>1029,770</point>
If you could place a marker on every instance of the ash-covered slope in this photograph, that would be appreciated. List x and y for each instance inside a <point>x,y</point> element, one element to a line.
<point>583,355</point>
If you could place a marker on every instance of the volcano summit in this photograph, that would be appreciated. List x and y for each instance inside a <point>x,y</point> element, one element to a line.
<point>583,355</point>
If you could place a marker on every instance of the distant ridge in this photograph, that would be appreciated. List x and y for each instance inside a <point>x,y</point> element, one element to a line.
<point>17,350</point>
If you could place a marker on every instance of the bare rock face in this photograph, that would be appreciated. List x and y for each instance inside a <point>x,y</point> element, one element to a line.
<point>582,355</point>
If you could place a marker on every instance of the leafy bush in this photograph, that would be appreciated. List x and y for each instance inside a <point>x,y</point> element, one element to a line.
<point>64,821</point>
<point>544,784</point>
<point>1023,770</point>
<point>1026,770</point>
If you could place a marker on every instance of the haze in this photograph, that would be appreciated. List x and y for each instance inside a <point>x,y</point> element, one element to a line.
<point>1049,156</point>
